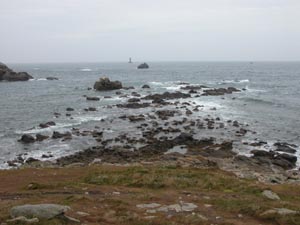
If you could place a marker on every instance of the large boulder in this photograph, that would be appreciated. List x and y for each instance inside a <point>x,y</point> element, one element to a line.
<point>143,66</point>
<point>104,84</point>
<point>41,211</point>
<point>7,74</point>
<point>27,138</point>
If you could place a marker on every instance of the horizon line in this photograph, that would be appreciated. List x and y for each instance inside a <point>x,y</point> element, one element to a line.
<point>150,61</point>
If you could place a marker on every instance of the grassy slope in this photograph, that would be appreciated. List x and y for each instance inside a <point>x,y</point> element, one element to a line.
<point>94,190</point>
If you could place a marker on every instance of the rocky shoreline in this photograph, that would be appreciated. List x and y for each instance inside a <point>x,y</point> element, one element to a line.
<point>168,132</point>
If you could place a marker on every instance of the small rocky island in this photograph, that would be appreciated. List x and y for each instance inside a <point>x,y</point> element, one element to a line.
<point>104,84</point>
<point>143,66</point>
<point>7,74</point>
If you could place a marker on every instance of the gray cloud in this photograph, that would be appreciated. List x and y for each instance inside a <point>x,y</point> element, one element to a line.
<point>113,30</point>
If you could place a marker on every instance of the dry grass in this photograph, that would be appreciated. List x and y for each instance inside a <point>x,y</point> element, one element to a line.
<point>109,195</point>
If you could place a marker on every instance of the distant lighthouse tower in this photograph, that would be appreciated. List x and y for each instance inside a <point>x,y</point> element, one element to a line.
<point>130,60</point>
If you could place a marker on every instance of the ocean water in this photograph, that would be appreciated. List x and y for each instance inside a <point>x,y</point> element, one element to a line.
<point>270,104</point>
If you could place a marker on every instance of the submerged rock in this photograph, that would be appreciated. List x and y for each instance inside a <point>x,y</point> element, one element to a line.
<point>93,98</point>
<point>167,95</point>
<point>51,78</point>
<point>104,84</point>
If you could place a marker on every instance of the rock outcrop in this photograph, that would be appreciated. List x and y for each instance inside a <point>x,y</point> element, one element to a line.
<point>42,211</point>
<point>7,74</point>
<point>104,84</point>
<point>143,66</point>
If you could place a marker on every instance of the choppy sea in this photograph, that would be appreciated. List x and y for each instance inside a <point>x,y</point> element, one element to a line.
<point>270,104</point>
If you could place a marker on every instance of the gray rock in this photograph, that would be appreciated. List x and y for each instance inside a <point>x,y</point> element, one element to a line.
<point>93,98</point>
<point>23,220</point>
<point>7,74</point>
<point>278,211</point>
<point>104,84</point>
<point>143,66</point>
<point>27,138</point>
<point>270,195</point>
<point>51,78</point>
<point>145,86</point>
<point>41,211</point>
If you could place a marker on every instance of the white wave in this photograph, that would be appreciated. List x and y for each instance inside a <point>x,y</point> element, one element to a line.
<point>83,119</point>
<point>254,90</point>
<point>39,130</point>
<point>38,79</point>
<point>173,88</point>
<point>85,69</point>
<point>234,81</point>
<point>155,83</point>
<point>115,98</point>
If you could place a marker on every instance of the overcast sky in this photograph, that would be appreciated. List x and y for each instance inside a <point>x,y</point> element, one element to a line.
<point>113,30</point>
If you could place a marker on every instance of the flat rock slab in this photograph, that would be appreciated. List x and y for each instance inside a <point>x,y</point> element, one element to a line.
<point>181,207</point>
<point>41,211</point>
<point>279,211</point>
<point>270,195</point>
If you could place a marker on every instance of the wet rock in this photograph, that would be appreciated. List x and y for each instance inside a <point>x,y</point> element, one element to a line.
<point>135,94</point>
<point>193,87</point>
<point>48,124</point>
<point>31,160</point>
<point>167,95</point>
<point>41,211</point>
<point>165,114</point>
<point>145,86</point>
<point>93,98</point>
<point>118,92</point>
<point>51,78</point>
<point>143,66</point>
<point>284,147</point>
<point>40,137</point>
<point>69,109</point>
<point>133,105</point>
<point>219,91</point>
<point>27,139</point>
<point>188,112</point>
<point>136,118</point>
<point>134,100</point>
<point>235,123</point>
<point>193,92</point>
<point>284,161</point>
<point>183,138</point>
<point>7,74</point>
<point>128,88</point>
<point>56,114</point>
<point>57,135</point>
<point>104,84</point>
